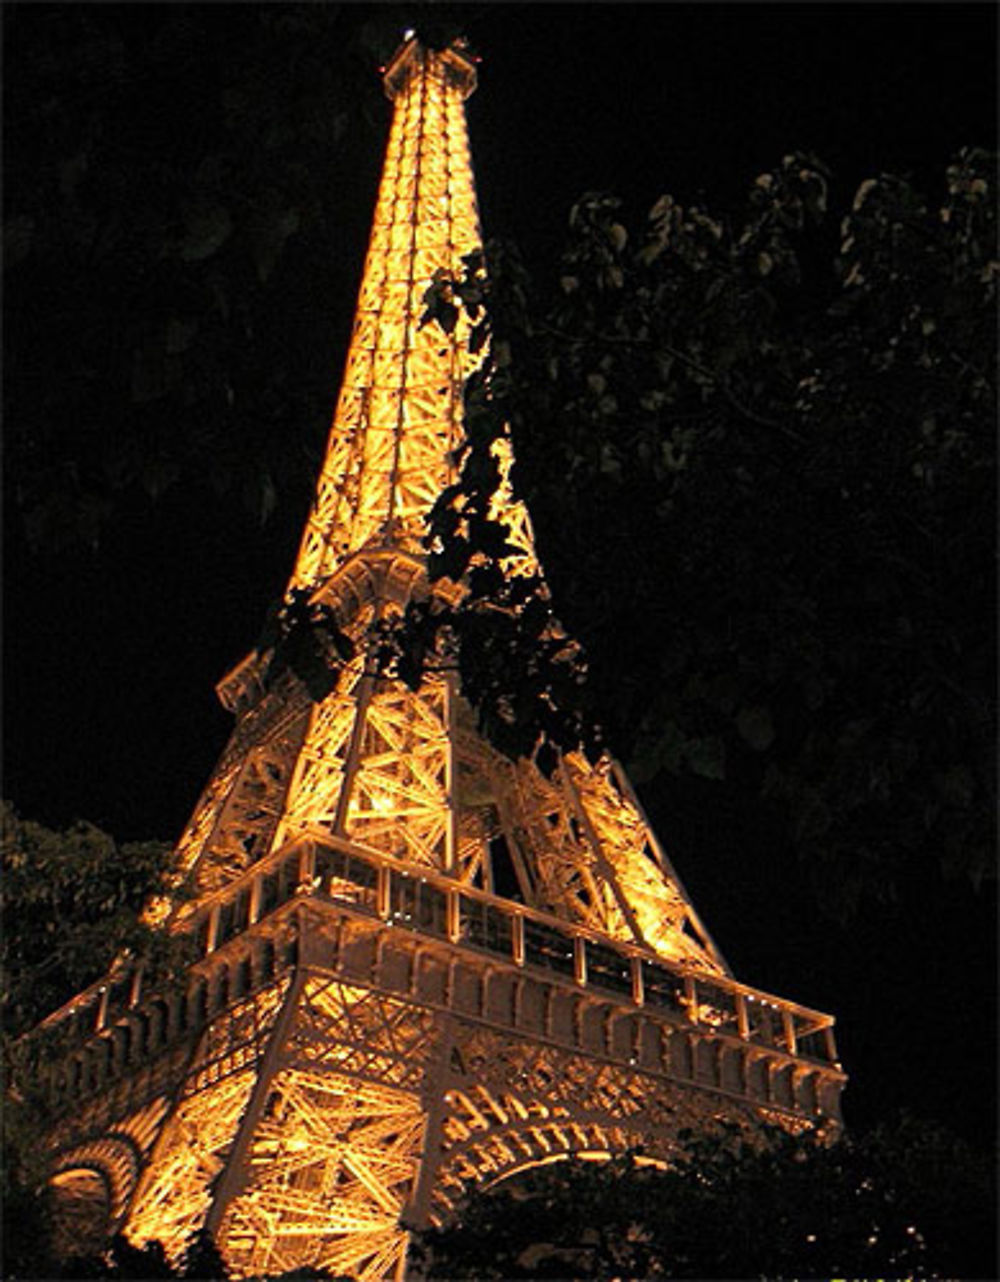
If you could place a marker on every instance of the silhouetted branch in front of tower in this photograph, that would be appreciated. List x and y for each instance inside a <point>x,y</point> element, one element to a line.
<point>519,669</point>
<point>745,437</point>
<point>302,636</point>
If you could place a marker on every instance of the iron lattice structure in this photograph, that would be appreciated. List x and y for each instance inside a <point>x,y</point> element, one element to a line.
<point>420,964</point>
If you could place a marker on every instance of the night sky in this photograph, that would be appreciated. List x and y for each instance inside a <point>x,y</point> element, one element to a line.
<point>111,657</point>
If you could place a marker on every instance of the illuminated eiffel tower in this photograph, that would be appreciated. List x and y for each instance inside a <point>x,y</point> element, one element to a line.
<point>419,963</point>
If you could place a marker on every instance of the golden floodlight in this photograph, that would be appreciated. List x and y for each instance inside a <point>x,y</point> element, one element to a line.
<point>419,963</point>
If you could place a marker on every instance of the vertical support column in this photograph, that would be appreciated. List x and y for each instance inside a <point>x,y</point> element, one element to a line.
<point>434,1092</point>
<point>690,999</point>
<point>579,961</point>
<point>253,912</point>
<point>451,775</point>
<point>638,994</point>
<point>213,929</point>
<point>102,1008</point>
<point>742,1018</point>
<point>517,938</point>
<point>353,758</point>
<point>307,867</point>
<point>382,891</point>
<point>453,923</point>
<point>233,1176</point>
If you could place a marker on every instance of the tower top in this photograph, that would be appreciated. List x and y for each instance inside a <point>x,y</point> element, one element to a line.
<point>412,56</point>
<point>399,418</point>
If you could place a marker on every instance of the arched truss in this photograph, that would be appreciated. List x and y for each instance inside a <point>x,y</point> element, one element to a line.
<point>80,1201</point>
<point>506,1152</point>
<point>510,1106</point>
<point>116,1159</point>
<point>598,1155</point>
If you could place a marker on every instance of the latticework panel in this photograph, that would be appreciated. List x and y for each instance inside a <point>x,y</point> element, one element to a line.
<point>592,857</point>
<point>175,1200</point>
<point>174,1197</point>
<point>650,901</point>
<point>238,814</point>
<point>361,1033</point>
<point>330,1168</point>
<point>399,804</point>
<point>332,1143</point>
<point>381,766</point>
<point>249,817</point>
<point>399,413</point>
<point>315,793</point>
<point>374,767</point>
<point>513,1103</point>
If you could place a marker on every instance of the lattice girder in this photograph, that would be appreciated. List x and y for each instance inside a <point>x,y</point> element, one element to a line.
<point>399,414</point>
<point>330,1169</point>
<point>419,963</point>
<point>420,1063</point>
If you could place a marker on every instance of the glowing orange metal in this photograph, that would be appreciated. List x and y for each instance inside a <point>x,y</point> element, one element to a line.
<point>421,963</point>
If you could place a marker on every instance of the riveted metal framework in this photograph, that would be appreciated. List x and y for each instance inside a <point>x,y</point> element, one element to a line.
<point>420,964</point>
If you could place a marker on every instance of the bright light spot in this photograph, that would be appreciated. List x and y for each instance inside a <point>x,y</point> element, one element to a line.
<point>409,33</point>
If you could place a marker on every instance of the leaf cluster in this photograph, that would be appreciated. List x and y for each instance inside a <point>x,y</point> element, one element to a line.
<point>71,906</point>
<point>121,1258</point>
<point>302,636</point>
<point>907,1199</point>
<point>71,903</point>
<point>759,450</point>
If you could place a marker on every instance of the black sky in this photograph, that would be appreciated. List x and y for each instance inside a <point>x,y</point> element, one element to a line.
<point>110,660</point>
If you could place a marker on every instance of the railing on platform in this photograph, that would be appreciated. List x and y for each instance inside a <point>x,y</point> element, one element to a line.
<point>431,904</point>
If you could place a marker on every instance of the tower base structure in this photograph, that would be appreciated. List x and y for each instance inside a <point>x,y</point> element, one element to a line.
<point>364,1036</point>
<point>340,1070</point>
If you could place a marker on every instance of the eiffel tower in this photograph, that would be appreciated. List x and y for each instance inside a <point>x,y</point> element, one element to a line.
<point>419,964</point>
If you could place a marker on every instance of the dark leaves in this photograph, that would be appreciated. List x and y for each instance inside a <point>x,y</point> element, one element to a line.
<point>302,636</point>
<point>71,903</point>
<point>153,252</point>
<point>756,449</point>
<point>782,1207</point>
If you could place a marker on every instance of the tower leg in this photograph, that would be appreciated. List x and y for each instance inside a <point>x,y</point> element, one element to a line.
<point>234,1175</point>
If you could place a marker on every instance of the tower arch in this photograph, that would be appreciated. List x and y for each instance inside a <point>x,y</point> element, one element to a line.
<point>90,1186</point>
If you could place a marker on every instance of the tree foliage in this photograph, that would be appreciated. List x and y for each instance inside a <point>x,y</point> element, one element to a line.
<point>71,904</point>
<point>760,450</point>
<point>905,1200</point>
<point>122,1259</point>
